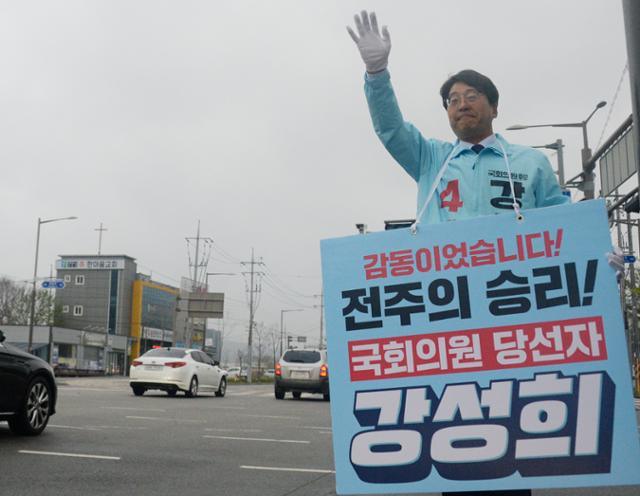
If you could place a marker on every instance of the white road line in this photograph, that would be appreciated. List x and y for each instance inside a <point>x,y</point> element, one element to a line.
<point>269,416</point>
<point>244,393</point>
<point>133,408</point>
<point>63,388</point>
<point>259,439</point>
<point>180,421</point>
<point>232,430</point>
<point>73,427</point>
<point>73,455</point>
<point>285,469</point>
<point>316,428</point>
<point>121,427</point>
<point>226,408</point>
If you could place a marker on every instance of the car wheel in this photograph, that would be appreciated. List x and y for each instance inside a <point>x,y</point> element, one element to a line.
<point>279,394</point>
<point>326,397</point>
<point>222,388</point>
<point>193,388</point>
<point>34,413</point>
<point>138,391</point>
<point>172,392</point>
<point>296,394</point>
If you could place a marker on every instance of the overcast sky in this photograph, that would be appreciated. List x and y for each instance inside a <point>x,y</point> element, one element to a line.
<point>249,116</point>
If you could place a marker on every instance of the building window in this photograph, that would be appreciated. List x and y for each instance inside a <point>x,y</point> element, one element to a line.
<point>67,278</point>
<point>65,308</point>
<point>80,280</point>
<point>78,310</point>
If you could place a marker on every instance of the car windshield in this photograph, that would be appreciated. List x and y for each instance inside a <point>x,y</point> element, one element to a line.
<point>165,352</point>
<point>301,356</point>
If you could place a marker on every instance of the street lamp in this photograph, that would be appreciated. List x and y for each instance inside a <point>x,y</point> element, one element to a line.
<point>557,145</point>
<point>587,170</point>
<point>35,276</point>
<point>282,312</point>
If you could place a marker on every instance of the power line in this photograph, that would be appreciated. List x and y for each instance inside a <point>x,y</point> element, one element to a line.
<point>277,280</point>
<point>287,302</point>
<point>290,300</point>
<point>613,103</point>
<point>226,254</point>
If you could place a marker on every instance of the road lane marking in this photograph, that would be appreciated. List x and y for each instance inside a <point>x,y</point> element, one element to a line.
<point>133,408</point>
<point>73,455</point>
<point>56,426</point>
<point>246,393</point>
<point>291,469</point>
<point>62,388</point>
<point>232,430</point>
<point>269,416</point>
<point>180,421</point>
<point>258,439</point>
<point>126,428</point>
<point>226,408</point>
<point>316,428</point>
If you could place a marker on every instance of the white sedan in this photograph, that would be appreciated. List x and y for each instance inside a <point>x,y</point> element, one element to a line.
<point>177,369</point>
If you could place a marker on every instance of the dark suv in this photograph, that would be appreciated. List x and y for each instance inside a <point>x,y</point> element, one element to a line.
<point>302,371</point>
<point>27,390</point>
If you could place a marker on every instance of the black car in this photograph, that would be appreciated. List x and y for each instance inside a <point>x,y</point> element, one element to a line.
<point>28,390</point>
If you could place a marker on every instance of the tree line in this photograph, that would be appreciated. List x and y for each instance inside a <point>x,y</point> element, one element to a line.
<point>15,304</point>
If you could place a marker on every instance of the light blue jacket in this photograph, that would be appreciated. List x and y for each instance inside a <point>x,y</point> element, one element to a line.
<point>473,184</point>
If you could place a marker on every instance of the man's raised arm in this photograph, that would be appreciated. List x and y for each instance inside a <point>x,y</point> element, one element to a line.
<point>401,139</point>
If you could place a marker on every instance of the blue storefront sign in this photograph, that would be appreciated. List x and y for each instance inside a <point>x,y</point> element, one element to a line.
<point>479,355</point>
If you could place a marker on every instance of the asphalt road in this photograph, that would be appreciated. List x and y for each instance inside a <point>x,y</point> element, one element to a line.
<point>104,440</point>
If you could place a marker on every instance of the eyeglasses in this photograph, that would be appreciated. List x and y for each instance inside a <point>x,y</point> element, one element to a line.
<point>455,99</point>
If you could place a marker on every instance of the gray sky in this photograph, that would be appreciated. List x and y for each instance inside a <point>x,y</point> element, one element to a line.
<point>250,116</point>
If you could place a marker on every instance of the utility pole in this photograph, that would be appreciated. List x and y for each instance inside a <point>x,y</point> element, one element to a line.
<point>252,290</point>
<point>195,265</point>
<point>634,301</point>
<point>200,263</point>
<point>100,230</point>
<point>321,306</point>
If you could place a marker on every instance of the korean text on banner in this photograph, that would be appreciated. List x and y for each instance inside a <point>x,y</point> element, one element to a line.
<point>479,355</point>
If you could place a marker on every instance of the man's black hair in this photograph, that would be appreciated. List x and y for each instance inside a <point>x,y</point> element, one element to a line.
<point>474,79</point>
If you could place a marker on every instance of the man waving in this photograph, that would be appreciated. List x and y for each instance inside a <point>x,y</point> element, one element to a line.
<point>480,173</point>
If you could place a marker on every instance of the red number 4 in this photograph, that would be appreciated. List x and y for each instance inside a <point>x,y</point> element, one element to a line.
<point>450,197</point>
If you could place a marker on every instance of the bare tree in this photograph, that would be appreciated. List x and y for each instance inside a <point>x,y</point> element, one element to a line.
<point>259,343</point>
<point>15,305</point>
<point>273,341</point>
<point>240,356</point>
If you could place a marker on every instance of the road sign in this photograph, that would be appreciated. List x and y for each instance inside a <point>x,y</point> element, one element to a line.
<point>205,305</point>
<point>629,259</point>
<point>53,284</point>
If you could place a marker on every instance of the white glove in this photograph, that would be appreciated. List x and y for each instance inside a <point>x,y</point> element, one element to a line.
<point>616,262</point>
<point>374,49</point>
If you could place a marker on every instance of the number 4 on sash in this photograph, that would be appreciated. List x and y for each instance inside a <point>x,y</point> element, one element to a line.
<point>450,197</point>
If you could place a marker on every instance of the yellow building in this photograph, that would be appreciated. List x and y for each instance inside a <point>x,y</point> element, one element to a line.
<point>153,315</point>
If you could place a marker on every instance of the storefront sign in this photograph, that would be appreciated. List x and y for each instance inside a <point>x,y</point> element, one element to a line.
<point>90,263</point>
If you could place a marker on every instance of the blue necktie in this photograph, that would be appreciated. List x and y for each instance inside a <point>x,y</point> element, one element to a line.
<point>477,148</point>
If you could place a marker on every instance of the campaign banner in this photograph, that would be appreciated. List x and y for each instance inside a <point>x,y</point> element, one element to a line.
<point>486,354</point>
